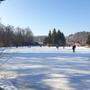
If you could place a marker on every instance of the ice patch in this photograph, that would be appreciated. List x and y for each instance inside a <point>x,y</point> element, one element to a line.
<point>58,82</point>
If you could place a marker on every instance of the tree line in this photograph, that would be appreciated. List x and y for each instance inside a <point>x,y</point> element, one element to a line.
<point>88,40</point>
<point>10,36</point>
<point>55,38</point>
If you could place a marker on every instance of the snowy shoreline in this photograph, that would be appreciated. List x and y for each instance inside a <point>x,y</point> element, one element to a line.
<point>45,49</point>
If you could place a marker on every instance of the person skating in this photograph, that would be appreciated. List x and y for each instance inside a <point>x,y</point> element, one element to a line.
<point>74,47</point>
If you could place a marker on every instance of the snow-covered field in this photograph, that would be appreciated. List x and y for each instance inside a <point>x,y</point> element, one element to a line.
<point>44,68</point>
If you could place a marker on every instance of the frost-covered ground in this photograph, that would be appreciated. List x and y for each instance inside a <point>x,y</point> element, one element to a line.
<point>44,68</point>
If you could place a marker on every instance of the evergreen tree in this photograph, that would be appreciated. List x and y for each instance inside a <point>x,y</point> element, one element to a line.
<point>50,38</point>
<point>58,37</point>
<point>63,40</point>
<point>54,37</point>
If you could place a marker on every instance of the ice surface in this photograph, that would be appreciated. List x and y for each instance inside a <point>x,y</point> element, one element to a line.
<point>44,68</point>
<point>46,50</point>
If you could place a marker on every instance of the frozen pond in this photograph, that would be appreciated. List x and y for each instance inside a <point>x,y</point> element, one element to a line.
<point>43,68</point>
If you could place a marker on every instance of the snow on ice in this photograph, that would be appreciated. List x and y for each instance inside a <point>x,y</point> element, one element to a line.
<point>44,68</point>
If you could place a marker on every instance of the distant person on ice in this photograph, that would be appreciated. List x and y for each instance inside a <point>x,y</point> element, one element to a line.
<point>74,47</point>
<point>57,46</point>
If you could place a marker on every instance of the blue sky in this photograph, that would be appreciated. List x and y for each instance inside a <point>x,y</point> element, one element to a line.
<point>69,16</point>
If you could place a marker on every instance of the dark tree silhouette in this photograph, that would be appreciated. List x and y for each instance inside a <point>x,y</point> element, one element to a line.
<point>55,38</point>
<point>1,0</point>
<point>49,38</point>
<point>88,40</point>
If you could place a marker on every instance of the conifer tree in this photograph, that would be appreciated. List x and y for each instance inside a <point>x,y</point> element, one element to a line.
<point>55,38</point>
<point>50,37</point>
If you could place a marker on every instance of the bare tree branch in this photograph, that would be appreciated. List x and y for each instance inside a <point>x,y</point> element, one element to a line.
<point>1,0</point>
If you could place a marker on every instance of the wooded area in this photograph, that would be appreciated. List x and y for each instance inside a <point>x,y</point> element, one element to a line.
<point>55,38</point>
<point>10,36</point>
